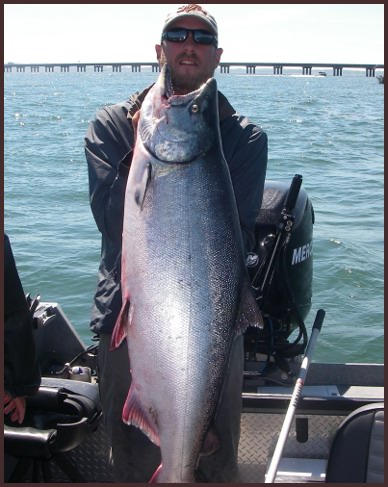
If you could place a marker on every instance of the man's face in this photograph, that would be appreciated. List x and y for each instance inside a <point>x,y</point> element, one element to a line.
<point>191,64</point>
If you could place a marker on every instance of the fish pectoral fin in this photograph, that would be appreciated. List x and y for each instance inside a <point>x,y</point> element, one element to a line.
<point>249,313</point>
<point>120,329</point>
<point>146,419</point>
<point>140,189</point>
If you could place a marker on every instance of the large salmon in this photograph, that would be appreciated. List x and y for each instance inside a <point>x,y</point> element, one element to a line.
<point>186,292</point>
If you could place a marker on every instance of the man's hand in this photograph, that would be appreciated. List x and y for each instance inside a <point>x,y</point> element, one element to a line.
<point>16,406</point>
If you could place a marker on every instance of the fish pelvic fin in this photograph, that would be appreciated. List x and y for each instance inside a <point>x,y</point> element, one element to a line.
<point>147,420</point>
<point>249,313</point>
<point>120,329</point>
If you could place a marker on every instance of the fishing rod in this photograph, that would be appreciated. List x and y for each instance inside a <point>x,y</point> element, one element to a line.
<point>271,474</point>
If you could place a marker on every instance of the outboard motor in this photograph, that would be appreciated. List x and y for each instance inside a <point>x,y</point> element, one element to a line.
<point>282,274</point>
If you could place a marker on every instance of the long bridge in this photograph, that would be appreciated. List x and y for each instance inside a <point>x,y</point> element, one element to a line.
<point>250,67</point>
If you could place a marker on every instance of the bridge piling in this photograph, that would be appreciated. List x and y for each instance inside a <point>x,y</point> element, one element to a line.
<point>370,72</point>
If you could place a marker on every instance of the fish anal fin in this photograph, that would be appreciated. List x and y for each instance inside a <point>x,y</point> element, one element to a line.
<point>120,329</point>
<point>249,313</point>
<point>146,419</point>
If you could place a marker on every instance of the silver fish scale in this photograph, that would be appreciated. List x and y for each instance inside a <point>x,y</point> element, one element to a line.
<point>183,270</point>
<point>194,299</point>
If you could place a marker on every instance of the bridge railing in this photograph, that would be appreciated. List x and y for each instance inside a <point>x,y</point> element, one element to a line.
<point>224,67</point>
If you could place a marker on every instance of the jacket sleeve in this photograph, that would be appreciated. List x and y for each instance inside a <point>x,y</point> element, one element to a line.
<point>246,152</point>
<point>108,148</point>
<point>21,369</point>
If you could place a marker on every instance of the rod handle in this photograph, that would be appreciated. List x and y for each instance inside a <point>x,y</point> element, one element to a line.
<point>319,319</point>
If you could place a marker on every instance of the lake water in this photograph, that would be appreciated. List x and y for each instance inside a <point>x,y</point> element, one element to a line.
<point>329,129</point>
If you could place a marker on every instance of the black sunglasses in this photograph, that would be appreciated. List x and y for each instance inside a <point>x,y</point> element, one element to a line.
<point>180,34</point>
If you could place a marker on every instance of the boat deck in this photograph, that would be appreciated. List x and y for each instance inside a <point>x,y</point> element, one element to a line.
<point>302,462</point>
<point>304,454</point>
<point>321,410</point>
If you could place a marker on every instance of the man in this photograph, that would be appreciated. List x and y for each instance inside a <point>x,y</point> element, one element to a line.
<point>189,45</point>
<point>22,375</point>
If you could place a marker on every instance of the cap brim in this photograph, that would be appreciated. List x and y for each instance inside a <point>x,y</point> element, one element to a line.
<point>193,16</point>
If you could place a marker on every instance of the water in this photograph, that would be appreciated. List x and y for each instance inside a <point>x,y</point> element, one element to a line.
<point>329,129</point>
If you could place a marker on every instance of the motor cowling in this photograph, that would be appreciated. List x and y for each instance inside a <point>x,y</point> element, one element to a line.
<point>283,274</point>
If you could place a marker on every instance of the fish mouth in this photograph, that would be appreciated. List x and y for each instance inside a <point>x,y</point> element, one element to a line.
<point>191,107</point>
<point>167,83</point>
<point>175,128</point>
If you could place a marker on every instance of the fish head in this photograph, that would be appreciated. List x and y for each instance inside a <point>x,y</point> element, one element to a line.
<point>179,128</point>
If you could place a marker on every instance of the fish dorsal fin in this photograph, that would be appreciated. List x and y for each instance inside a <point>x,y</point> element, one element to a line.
<point>120,329</point>
<point>135,414</point>
<point>249,313</point>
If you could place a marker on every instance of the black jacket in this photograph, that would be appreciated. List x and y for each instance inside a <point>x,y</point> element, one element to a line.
<point>109,146</point>
<point>21,369</point>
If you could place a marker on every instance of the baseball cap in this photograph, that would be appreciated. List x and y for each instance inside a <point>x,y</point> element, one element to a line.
<point>191,10</point>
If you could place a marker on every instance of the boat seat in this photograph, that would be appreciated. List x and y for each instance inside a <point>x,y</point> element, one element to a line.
<point>357,451</point>
<point>58,418</point>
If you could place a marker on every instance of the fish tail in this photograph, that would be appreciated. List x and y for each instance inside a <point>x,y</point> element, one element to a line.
<point>154,478</point>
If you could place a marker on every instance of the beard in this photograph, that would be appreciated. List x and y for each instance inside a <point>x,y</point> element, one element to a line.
<point>187,80</point>
<point>186,84</point>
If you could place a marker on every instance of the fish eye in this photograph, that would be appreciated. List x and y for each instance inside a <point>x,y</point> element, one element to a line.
<point>195,108</point>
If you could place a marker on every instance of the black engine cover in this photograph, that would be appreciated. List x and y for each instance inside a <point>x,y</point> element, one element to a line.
<point>289,290</point>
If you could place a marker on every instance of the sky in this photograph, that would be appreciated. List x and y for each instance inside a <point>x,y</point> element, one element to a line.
<point>315,33</point>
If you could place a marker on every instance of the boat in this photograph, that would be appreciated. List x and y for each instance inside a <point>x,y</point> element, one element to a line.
<point>64,439</point>
<point>322,73</point>
<point>380,79</point>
